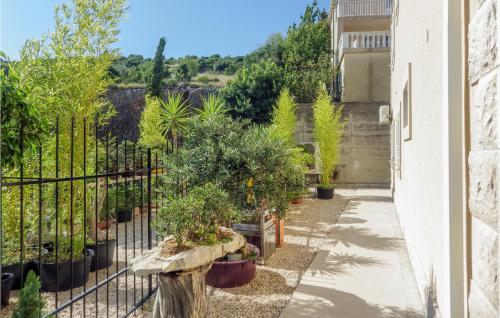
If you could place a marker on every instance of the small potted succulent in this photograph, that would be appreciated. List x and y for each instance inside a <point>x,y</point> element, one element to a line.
<point>328,130</point>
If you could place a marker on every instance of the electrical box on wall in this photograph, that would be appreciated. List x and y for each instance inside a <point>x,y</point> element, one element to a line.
<point>384,114</point>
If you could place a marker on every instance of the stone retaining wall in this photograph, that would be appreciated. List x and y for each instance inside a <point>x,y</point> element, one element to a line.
<point>484,158</point>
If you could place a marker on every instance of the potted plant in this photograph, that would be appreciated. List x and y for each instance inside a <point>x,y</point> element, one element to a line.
<point>235,269</point>
<point>56,276</point>
<point>6,281</point>
<point>328,130</point>
<point>121,203</point>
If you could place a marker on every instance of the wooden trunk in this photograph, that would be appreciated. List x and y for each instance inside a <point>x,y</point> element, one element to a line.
<point>181,294</point>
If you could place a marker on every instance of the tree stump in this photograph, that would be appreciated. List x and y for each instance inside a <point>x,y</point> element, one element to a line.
<point>182,294</point>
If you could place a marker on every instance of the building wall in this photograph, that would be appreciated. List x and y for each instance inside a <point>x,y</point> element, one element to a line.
<point>418,180</point>
<point>365,148</point>
<point>366,76</point>
<point>484,159</point>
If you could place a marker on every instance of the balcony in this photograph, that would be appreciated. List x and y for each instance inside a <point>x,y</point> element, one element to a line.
<point>363,40</point>
<point>353,8</point>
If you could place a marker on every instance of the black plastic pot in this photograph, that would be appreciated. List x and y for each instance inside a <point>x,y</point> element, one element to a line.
<point>124,215</point>
<point>81,270</point>
<point>7,281</point>
<point>17,269</point>
<point>325,193</point>
<point>104,253</point>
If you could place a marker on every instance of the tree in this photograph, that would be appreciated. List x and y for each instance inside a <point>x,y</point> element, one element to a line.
<point>284,117</point>
<point>150,135</point>
<point>253,92</point>
<point>155,83</point>
<point>174,117</point>
<point>272,50</point>
<point>328,130</point>
<point>17,113</point>
<point>307,54</point>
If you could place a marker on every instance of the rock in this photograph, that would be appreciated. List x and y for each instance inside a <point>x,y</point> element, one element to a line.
<point>151,262</point>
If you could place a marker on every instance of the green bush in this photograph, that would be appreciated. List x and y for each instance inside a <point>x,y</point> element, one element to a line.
<point>328,130</point>
<point>284,117</point>
<point>150,134</point>
<point>30,304</point>
<point>196,218</point>
<point>254,90</point>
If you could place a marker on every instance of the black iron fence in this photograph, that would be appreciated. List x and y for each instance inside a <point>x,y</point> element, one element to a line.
<point>75,211</point>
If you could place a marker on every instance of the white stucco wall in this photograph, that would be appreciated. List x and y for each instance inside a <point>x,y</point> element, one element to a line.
<point>418,186</point>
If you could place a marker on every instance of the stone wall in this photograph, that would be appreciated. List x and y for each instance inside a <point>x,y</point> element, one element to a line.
<point>130,102</point>
<point>365,148</point>
<point>484,158</point>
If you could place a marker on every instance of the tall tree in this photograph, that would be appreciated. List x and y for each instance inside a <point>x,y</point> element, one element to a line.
<point>307,54</point>
<point>154,85</point>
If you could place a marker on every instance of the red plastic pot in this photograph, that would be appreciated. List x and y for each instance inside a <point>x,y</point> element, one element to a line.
<point>227,274</point>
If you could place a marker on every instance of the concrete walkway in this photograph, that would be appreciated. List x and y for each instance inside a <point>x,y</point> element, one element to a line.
<point>365,271</point>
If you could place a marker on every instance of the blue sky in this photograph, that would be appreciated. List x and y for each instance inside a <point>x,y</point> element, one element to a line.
<point>199,27</point>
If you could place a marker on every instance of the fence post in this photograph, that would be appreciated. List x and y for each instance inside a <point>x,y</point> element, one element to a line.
<point>150,234</point>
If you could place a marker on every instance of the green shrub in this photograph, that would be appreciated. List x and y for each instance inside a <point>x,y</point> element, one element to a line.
<point>30,304</point>
<point>150,134</point>
<point>254,90</point>
<point>328,130</point>
<point>284,117</point>
<point>196,218</point>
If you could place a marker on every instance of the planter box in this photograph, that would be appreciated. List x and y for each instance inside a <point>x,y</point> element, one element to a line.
<point>325,193</point>
<point>261,234</point>
<point>16,270</point>
<point>280,232</point>
<point>6,281</point>
<point>57,277</point>
<point>104,253</point>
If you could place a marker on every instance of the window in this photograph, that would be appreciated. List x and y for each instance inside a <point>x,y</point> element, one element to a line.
<point>406,106</point>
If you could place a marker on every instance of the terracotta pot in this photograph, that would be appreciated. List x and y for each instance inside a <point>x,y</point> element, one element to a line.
<point>102,225</point>
<point>297,200</point>
<point>280,232</point>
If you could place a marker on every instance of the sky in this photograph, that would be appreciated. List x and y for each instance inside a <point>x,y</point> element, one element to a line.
<point>194,27</point>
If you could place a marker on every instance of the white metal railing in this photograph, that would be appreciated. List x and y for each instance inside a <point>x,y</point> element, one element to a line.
<point>353,8</point>
<point>364,40</point>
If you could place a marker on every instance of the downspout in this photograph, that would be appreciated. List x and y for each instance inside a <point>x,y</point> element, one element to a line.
<point>453,158</point>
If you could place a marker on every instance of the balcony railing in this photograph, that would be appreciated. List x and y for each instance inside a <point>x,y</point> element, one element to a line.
<point>353,8</point>
<point>363,40</point>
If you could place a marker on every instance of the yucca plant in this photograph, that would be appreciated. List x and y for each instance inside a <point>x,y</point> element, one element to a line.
<point>284,118</point>
<point>174,117</point>
<point>328,130</point>
<point>213,107</point>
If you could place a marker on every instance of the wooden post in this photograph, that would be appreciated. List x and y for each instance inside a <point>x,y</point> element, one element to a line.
<point>182,294</point>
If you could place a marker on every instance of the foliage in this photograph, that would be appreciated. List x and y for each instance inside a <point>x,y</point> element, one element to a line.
<point>213,107</point>
<point>253,92</point>
<point>150,135</point>
<point>250,163</point>
<point>30,303</point>
<point>174,116</point>
<point>120,198</point>
<point>155,84</point>
<point>284,118</point>
<point>196,218</point>
<point>272,50</point>
<point>190,68</point>
<point>307,54</point>
<point>66,74</point>
<point>328,130</point>
<point>133,69</point>
<point>17,113</point>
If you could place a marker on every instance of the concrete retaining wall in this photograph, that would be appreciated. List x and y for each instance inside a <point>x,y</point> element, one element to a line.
<point>365,148</point>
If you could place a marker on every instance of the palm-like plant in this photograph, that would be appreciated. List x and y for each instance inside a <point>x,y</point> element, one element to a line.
<point>213,107</point>
<point>174,117</point>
